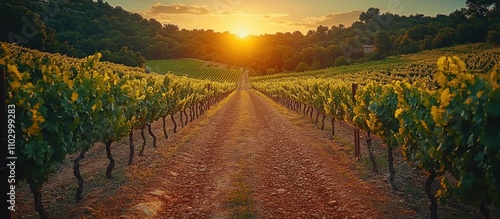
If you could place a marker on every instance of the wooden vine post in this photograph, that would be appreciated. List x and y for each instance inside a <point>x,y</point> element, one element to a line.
<point>209,87</point>
<point>357,147</point>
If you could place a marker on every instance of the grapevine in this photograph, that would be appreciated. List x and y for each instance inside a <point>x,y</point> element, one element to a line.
<point>446,125</point>
<point>65,105</point>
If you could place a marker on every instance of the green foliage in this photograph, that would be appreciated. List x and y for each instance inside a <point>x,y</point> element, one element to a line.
<point>450,129</point>
<point>124,56</point>
<point>30,31</point>
<point>461,120</point>
<point>383,43</point>
<point>494,38</point>
<point>196,69</point>
<point>408,48</point>
<point>271,71</point>
<point>64,105</point>
<point>446,36</point>
<point>369,15</point>
<point>341,61</point>
<point>480,8</point>
<point>302,67</point>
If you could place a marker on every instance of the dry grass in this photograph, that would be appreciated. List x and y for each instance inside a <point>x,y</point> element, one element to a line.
<point>240,200</point>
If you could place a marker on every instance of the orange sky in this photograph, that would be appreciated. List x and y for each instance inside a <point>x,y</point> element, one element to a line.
<point>259,17</point>
<point>242,22</point>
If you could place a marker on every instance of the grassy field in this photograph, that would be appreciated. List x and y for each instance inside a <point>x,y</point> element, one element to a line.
<point>199,69</point>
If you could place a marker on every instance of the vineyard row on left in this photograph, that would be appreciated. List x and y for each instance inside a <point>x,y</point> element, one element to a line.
<point>64,105</point>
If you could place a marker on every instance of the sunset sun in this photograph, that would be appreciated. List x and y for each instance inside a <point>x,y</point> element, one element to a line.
<point>241,32</point>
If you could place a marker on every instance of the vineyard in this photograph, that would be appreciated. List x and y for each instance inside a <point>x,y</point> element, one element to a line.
<point>444,120</point>
<point>196,69</point>
<point>250,109</point>
<point>411,68</point>
<point>65,105</point>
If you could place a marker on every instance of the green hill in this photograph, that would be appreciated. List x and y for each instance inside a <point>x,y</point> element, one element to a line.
<point>195,68</point>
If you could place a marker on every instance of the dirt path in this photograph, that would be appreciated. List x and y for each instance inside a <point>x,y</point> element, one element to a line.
<point>247,160</point>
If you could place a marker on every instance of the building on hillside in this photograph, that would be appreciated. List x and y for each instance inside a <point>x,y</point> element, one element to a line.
<point>368,48</point>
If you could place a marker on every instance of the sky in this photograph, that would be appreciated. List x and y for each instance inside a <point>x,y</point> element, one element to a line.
<point>256,17</point>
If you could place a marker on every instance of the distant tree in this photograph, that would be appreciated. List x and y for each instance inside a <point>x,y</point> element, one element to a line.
<point>66,48</point>
<point>159,50</point>
<point>321,32</point>
<point>310,33</point>
<point>298,33</point>
<point>332,53</point>
<point>308,54</point>
<point>290,61</point>
<point>374,56</point>
<point>446,36</point>
<point>154,24</point>
<point>458,16</point>
<point>494,38</point>
<point>408,48</point>
<point>27,30</point>
<point>70,36</point>
<point>301,67</point>
<point>383,43</point>
<point>426,44</point>
<point>270,71</point>
<point>416,33</point>
<point>473,31</point>
<point>369,15</point>
<point>316,64</point>
<point>105,44</point>
<point>479,8</point>
<point>341,61</point>
<point>124,56</point>
<point>170,28</point>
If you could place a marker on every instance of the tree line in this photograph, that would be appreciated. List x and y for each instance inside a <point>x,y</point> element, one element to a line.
<point>79,28</point>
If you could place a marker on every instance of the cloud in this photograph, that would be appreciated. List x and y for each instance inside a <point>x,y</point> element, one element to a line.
<point>274,15</point>
<point>253,15</point>
<point>158,8</point>
<point>345,18</point>
<point>232,13</point>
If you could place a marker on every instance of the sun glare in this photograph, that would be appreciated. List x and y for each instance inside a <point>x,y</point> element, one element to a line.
<point>241,33</point>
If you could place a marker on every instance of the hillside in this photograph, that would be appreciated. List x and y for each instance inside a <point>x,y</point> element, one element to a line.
<point>420,66</point>
<point>198,69</point>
